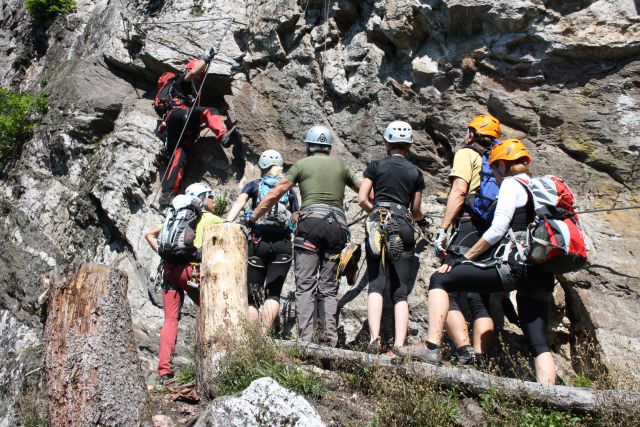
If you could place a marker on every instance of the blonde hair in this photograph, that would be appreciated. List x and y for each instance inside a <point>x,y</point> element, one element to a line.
<point>273,171</point>
<point>516,167</point>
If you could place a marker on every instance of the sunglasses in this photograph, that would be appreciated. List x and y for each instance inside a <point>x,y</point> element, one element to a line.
<point>207,195</point>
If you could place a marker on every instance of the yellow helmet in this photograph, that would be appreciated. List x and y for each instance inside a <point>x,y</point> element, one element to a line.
<point>509,149</point>
<point>486,125</point>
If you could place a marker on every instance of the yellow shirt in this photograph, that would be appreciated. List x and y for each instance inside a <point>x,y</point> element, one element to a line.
<point>467,164</point>
<point>207,218</point>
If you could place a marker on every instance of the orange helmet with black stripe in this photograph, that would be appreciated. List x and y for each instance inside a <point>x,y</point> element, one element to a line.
<point>510,150</point>
<point>486,125</point>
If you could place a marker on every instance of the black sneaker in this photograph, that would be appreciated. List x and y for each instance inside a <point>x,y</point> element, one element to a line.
<point>466,356</point>
<point>165,378</point>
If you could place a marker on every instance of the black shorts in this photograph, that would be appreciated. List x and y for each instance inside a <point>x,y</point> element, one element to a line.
<point>270,258</point>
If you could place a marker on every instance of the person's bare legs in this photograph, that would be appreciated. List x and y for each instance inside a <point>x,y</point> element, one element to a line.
<point>482,335</point>
<point>374,315</point>
<point>401,314</point>
<point>456,326</point>
<point>545,368</point>
<point>270,311</point>
<point>438,307</point>
<point>252,314</point>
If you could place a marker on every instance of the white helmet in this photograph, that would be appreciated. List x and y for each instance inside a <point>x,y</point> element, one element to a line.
<point>270,158</point>
<point>320,135</point>
<point>198,190</point>
<point>398,131</point>
<point>182,201</point>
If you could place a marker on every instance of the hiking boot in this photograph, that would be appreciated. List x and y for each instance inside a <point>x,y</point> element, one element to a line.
<point>466,356</point>
<point>165,378</point>
<point>421,352</point>
<point>225,140</point>
<point>395,246</point>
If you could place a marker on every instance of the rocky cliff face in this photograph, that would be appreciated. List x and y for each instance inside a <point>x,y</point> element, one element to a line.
<point>562,75</point>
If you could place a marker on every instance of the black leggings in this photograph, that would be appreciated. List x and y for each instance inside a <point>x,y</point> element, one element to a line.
<point>270,258</point>
<point>401,271</point>
<point>478,303</point>
<point>532,312</point>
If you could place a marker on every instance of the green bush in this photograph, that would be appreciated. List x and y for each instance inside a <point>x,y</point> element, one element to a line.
<point>257,356</point>
<point>186,374</point>
<point>41,10</point>
<point>19,115</point>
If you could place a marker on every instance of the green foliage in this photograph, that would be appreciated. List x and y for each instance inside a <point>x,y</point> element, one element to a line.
<point>220,205</point>
<point>503,412</point>
<point>257,356</point>
<point>581,381</point>
<point>19,115</point>
<point>186,374</point>
<point>41,10</point>
<point>409,401</point>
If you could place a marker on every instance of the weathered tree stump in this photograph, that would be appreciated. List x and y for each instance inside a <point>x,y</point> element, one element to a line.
<point>93,374</point>
<point>557,396</point>
<point>223,299</point>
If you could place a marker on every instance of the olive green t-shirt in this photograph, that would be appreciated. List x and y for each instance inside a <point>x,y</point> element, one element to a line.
<point>467,164</point>
<point>321,179</point>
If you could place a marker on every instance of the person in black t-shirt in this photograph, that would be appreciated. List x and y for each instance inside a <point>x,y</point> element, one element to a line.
<point>270,251</point>
<point>397,185</point>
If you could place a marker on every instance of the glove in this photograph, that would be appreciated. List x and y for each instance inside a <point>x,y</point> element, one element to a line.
<point>438,244</point>
<point>249,222</point>
<point>208,56</point>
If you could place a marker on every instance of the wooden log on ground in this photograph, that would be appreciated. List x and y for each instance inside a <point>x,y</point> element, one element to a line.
<point>93,374</point>
<point>565,398</point>
<point>223,299</point>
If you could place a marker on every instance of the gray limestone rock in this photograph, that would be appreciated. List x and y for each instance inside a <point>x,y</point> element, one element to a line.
<point>263,403</point>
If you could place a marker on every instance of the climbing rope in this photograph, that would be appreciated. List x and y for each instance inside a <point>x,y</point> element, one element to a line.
<point>155,23</point>
<point>624,208</point>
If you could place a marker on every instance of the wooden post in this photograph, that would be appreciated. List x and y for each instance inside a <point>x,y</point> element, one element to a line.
<point>93,375</point>
<point>223,299</point>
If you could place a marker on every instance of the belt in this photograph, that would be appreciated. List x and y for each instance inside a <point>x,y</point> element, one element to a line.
<point>394,208</point>
<point>321,210</point>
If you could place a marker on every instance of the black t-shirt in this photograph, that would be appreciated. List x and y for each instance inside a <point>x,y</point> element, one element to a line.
<point>252,189</point>
<point>395,179</point>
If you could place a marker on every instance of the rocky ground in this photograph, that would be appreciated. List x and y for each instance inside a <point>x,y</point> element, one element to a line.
<point>562,75</point>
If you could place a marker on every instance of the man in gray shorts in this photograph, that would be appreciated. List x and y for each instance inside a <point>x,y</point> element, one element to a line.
<point>321,230</point>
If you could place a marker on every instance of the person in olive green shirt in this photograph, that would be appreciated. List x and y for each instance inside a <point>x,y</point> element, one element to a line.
<point>321,231</point>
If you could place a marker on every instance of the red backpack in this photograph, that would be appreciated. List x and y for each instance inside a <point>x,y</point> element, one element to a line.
<point>165,99</point>
<point>555,240</point>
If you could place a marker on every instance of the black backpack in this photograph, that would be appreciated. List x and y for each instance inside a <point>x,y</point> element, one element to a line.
<point>170,95</point>
<point>176,242</point>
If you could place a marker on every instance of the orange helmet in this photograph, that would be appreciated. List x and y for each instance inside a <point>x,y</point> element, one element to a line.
<point>509,149</point>
<point>486,125</point>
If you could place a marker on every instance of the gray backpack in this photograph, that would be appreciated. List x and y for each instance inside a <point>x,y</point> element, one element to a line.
<point>178,234</point>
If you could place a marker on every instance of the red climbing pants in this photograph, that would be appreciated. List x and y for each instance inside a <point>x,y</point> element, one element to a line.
<point>175,123</point>
<point>173,289</point>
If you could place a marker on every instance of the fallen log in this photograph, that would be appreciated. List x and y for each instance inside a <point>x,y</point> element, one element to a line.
<point>93,375</point>
<point>584,400</point>
<point>223,299</point>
